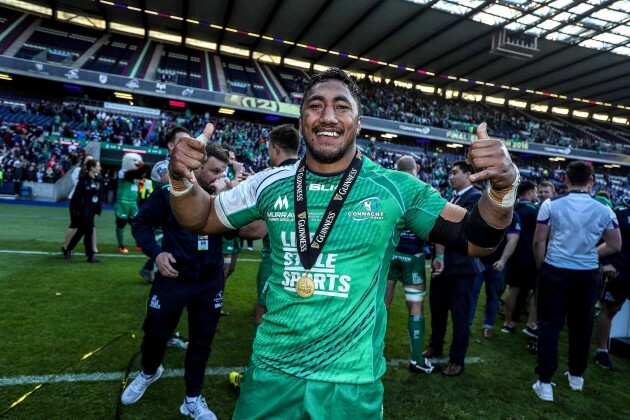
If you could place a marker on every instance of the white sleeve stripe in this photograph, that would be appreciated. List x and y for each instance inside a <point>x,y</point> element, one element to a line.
<point>221,212</point>
<point>274,176</point>
<point>245,195</point>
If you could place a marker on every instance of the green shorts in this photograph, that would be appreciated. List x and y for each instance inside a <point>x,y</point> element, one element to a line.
<point>231,246</point>
<point>264,272</point>
<point>126,211</point>
<point>407,268</point>
<point>267,395</point>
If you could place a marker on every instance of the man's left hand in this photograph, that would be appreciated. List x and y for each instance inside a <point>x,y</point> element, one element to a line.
<point>491,161</point>
<point>498,265</point>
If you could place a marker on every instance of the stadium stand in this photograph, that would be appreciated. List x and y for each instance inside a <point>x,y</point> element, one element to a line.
<point>59,40</point>
<point>181,66</point>
<point>243,77</point>
<point>185,66</point>
<point>115,55</point>
<point>292,80</point>
<point>26,122</point>
<point>10,34</point>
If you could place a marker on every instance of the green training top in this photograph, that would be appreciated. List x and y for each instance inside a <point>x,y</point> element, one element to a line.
<point>337,334</point>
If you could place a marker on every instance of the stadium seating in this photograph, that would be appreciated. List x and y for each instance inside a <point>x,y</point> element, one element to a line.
<point>7,18</point>
<point>60,40</point>
<point>292,80</point>
<point>186,67</point>
<point>182,66</point>
<point>115,55</point>
<point>242,77</point>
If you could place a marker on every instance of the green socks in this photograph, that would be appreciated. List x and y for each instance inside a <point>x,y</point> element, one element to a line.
<point>415,330</point>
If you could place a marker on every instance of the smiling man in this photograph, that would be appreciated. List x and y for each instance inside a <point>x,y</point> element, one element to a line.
<point>319,352</point>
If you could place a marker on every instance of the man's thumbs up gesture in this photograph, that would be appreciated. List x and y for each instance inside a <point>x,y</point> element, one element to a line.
<point>492,162</point>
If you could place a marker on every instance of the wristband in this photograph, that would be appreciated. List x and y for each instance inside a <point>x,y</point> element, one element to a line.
<point>179,186</point>
<point>439,256</point>
<point>507,196</point>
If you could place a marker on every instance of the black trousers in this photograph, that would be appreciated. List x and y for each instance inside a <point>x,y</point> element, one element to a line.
<point>85,230</point>
<point>451,293</point>
<point>203,299</point>
<point>565,294</point>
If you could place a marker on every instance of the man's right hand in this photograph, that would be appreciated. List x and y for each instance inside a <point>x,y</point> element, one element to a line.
<point>164,261</point>
<point>609,271</point>
<point>437,266</point>
<point>188,155</point>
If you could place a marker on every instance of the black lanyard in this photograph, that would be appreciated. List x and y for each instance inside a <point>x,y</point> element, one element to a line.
<point>309,251</point>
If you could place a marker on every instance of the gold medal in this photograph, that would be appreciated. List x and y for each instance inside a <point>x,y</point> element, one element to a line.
<point>305,287</point>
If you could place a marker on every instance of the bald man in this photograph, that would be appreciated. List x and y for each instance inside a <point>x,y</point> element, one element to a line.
<point>407,266</point>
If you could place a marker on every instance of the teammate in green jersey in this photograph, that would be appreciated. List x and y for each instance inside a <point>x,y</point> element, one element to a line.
<point>284,144</point>
<point>319,352</point>
<point>231,247</point>
<point>407,265</point>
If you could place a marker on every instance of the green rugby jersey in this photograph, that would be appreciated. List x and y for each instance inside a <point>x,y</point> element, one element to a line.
<point>335,335</point>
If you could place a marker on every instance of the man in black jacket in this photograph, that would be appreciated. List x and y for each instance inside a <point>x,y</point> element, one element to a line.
<point>190,276</point>
<point>452,280</point>
<point>616,270</point>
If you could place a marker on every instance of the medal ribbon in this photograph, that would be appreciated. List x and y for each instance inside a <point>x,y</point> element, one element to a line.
<point>309,251</point>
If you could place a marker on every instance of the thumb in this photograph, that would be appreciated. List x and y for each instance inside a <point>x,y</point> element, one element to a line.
<point>171,259</point>
<point>482,131</point>
<point>207,132</point>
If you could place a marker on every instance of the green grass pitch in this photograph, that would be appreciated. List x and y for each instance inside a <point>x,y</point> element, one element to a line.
<point>62,323</point>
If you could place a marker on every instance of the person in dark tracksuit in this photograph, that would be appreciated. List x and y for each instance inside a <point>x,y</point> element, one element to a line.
<point>190,276</point>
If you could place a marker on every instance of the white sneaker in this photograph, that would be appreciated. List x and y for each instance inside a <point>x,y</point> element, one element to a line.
<point>575,382</point>
<point>135,389</point>
<point>198,410</point>
<point>543,390</point>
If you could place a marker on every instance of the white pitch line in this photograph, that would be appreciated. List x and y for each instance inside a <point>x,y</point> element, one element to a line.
<point>104,376</point>
<point>79,254</point>
<point>168,373</point>
<point>467,360</point>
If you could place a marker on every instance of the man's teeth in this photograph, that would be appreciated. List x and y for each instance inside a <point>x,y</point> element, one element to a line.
<point>328,134</point>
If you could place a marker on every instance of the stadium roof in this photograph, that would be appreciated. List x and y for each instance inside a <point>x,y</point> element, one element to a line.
<point>583,60</point>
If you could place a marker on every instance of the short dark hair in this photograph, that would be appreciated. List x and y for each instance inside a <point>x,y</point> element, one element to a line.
<point>334,73</point>
<point>547,184</point>
<point>286,137</point>
<point>580,173</point>
<point>464,166</point>
<point>171,135</point>
<point>90,164</point>
<point>216,151</point>
<point>524,187</point>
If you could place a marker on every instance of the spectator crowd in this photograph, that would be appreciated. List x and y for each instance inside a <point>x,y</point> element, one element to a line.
<point>29,153</point>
